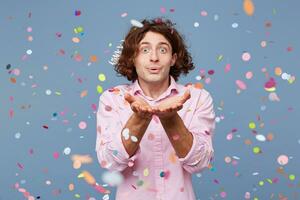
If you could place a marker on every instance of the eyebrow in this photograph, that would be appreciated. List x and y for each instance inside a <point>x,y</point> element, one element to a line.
<point>161,43</point>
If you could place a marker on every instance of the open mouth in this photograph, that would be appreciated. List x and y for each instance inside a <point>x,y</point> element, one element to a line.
<point>154,70</point>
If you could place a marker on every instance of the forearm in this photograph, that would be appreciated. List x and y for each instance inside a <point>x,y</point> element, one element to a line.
<point>179,136</point>
<point>137,127</point>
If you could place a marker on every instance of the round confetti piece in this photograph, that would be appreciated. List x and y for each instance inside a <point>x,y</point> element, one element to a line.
<point>88,177</point>
<point>55,155</point>
<point>292,177</point>
<point>77,195</point>
<point>76,164</point>
<point>278,71</point>
<point>252,125</point>
<point>82,125</point>
<point>248,7</point>
<point>78,29</point>
<point>249,75</point>
<point>196,24</point>
<point>99,89</point>
<point>101,77</point>
<point>260,138</point>
<point>75,40</point>
<point>18,135</point>
<point>216,17</point>
<point>114,178</point>
<point>241,85</point>
<point>29,51</point>
<point>283,159</point>
<point>29,29</point>
<point>223,194</point>
<point>67,150</point>
<point>203,13</point>
<point>234,25</point>
<point>48,92</point>
<point>71,186</point>
<point>263,44</point>
<point>136,23</point>
<point>261,183</point>
<point>256,150</point>
<point>125,133</point>
<point>124,14</point>
<point>227,159</point>
<point>93,58</point>
<point>133,138</point>
<point>146,172</point>
<point>48,182</point>
<point>105,197</point>
<point>108,108</point>
<point>246,56</point>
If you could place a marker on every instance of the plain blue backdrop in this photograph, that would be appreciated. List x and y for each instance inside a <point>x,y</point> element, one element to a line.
<point>46,92</point>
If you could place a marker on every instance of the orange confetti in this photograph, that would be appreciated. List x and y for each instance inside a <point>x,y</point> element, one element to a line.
<point>198,85</point>
<point>173,157</point>
<point>13,80</point>
<point>88,177</point>
<point>71,186</point>
<point>83,93</point>
<point>93,58</point>
<point>248,7</point>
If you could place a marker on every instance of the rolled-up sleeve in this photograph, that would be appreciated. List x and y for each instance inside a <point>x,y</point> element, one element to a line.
<point>111,152</point>
<point>202,128</point>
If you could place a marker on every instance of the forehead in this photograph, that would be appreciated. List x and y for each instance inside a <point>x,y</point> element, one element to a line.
<point>153,38</point>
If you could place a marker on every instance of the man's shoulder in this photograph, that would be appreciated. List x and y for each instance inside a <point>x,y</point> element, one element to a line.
<point>117,91</point>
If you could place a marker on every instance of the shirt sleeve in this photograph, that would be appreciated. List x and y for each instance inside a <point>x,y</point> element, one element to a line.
<point>202,128</point>
<point>111,152</point>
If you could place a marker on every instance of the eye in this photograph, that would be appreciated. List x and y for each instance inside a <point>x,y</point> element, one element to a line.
<point>163,50</point>
<point>145,50</point>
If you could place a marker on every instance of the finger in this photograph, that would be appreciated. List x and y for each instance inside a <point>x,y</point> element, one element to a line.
<point>129,98</point>
<point>186,96</point>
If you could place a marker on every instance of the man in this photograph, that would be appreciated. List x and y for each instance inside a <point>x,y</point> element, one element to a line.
<point>154,131</point>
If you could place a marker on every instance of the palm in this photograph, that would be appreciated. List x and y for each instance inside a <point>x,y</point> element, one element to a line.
<point>169,107</point>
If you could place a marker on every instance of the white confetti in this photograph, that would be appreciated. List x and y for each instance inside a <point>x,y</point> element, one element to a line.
<point>260,138</point>
<point>133,138</point>
<point>136,23</point>
<point>113,178</point>
<point>125,133</point>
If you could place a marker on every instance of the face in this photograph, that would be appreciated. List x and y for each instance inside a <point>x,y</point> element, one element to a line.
<point>154,59</point>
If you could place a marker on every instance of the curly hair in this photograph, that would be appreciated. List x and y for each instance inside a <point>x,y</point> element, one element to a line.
<point>125,64</point>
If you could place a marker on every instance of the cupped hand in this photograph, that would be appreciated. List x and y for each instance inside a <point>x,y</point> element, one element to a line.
<point>169,107</point>
<point>139,106</point>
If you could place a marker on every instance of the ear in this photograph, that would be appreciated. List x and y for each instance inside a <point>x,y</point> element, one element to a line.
<point>174,58</point>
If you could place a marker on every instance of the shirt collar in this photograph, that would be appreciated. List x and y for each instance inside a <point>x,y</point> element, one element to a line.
<point>173,87</point>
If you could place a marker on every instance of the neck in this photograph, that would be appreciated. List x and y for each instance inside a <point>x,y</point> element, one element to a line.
<point>154,90</point>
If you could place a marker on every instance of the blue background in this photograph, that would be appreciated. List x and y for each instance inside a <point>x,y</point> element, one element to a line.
<point>27,147</point>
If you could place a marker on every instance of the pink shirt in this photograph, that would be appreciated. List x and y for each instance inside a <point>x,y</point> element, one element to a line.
<point>155,172</point>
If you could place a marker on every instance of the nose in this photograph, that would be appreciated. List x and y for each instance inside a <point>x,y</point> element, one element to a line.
<point>153,56</point>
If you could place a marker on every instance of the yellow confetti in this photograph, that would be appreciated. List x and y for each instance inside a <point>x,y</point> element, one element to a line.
<point>99,89</point>
<point>101,77</point>
<point>146,172</point>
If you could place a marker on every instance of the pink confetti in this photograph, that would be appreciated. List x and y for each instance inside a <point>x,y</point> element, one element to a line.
<point>241,84</point>
<point>20,166</point>
<point>101,189</point>
<point>227,68</point>
<point>55,155</point>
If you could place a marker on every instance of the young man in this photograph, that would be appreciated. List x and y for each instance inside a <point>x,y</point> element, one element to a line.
<point>154,131</point>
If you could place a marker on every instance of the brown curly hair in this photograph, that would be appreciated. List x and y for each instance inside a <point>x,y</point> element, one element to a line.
<point>125,64</point>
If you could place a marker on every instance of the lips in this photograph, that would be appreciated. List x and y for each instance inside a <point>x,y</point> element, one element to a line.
<point>154,70</point>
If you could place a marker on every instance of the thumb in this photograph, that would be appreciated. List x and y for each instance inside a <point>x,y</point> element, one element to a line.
<point>129,98</point>
<point>186,95</point>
